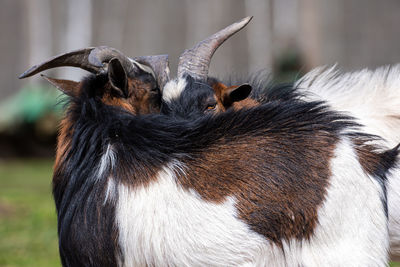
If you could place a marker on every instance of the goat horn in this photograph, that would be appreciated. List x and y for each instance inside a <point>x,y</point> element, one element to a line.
<point>196,61</point>
<point>90,59</point>
<point>103,54</point>
<point>160,66</point>
<point>77,58</point>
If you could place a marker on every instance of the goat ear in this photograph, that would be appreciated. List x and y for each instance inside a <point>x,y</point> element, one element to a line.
<point>68,87</point>
<point>118,77</point>
<point>235,93</point>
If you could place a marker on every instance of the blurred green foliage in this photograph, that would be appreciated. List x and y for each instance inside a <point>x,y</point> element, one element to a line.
<point>28,224</point>
<point>29,105</point>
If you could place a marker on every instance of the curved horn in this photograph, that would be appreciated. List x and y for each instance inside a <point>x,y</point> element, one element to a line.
<point>92,59</point>
<point>196,60</point>
<point>160,66</point>
<point>77,58</point>
<point>103,54</point>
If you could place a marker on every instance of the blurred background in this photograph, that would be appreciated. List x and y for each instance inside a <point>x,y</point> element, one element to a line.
<point>285,37</point>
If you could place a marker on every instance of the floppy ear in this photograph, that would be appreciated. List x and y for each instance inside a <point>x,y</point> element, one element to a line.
<point>118,77</point>
<point>235,93</point>
<point>68,87</point>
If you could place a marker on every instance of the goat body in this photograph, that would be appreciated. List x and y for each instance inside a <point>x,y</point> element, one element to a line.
<point>276,185</point>
<point>285,183</point>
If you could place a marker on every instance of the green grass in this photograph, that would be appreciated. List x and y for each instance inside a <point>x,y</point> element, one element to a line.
<point>28,224</point>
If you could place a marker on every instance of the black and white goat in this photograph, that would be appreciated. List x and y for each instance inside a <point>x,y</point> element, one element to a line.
<point>286,183</point>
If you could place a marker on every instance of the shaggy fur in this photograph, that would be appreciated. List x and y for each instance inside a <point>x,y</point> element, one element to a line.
<point>373,98</point>
<point>269,173</point>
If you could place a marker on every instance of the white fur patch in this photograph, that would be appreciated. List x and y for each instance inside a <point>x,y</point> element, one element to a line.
<point>352,225</point>
<point>373,98</point>
<point>352,228</point>
<point>393,198</point>
<point>111,190</point>
<point>107,161</point>
<point>162,224</point>
<point>173,89</point>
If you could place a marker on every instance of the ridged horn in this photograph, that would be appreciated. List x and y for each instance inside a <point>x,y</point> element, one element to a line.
<point>103,54</point>
<point>160,66</point>
<point>196,61</point>
<point>76,58</point>
<point>157,65</point>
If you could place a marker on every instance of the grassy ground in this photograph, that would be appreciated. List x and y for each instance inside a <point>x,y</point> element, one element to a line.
<point>28,231</point>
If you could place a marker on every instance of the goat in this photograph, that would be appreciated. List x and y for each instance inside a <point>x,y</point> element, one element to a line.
<point>280,184</point>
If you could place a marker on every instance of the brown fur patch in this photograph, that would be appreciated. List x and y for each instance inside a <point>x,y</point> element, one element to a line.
<point>110,100</point>
<point>246,103</point>
<point>279,182</point>
<point>220,89</point>
<point>369,159</point>
<point>63,143</point>
<point>374,161</point>
<point>141,99</point>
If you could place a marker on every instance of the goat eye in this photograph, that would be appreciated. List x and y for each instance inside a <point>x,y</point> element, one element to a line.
<point>211,107</point>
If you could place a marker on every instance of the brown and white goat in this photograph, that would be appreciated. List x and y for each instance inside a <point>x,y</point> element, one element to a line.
<point>280,184</point>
